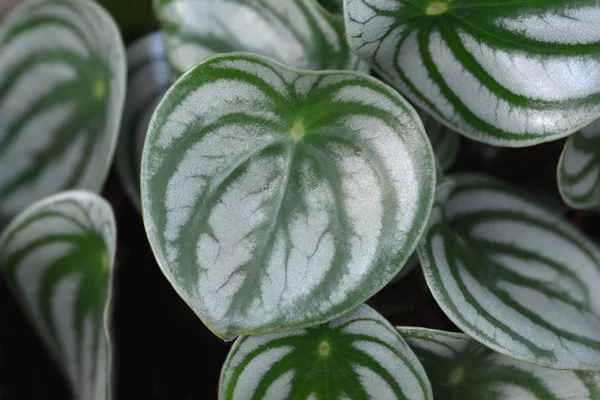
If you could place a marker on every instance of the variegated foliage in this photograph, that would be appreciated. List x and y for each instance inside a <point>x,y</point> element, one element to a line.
<point>62,86</point>
<point>459,368</point>
<point>149,77</point>
<point>276,198</point>
<point>579,168</point>
<point>298,33</point>
<point>58,256</point>
<point>358,356</point>
<point>508,73</point>
<point>513,275</point>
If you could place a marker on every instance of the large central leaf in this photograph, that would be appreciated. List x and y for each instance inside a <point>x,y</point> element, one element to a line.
<point>511,73</point>
<point>298,33</point>
<point>276,198</point>
<point>513,275</point>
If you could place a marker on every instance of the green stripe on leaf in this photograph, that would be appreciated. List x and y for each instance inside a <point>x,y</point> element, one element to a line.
<point>579,168</point>
<point>508,73</point>
<point>62,84</point>
<point>276,198</point>
<point>58,256</point>
<point>513,275</point>
<point>460,368</point>
<point>358,356</point>
<point>298,33</point>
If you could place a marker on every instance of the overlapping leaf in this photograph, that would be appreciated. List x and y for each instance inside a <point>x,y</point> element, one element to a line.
<point>276,198</point>
<point>509,73</point>
<point>579,168</point>
<point>298,33</point>
<point>149,77</point>
<point>459,368</point>
<point>62,86</point>
<point>445,141</point>
<point>513,275</point>
<point>358,356</point>
<point>58,256</point>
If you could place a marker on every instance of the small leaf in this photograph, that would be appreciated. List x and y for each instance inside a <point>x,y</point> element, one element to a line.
<point>298,33</point>
<point>462,369</point>
<point>579,168</point>
<point>58,256</point>
<point>513,275</point>
<point>62,87</point>
<point>149,78</point>
<point>507,73</point>
<point>276,198</point>
<point>358,356</point>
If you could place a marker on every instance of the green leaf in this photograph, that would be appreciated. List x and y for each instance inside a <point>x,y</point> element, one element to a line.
<point>62,87</point>
<point>513,275</point>
<point>507,73</point>
<point>58,256</point>
<point>298,33</point>
<point>358,356</point>
<point>335,7</point>
<point>445,141</point>
<point>149,77</point>
<point>578,171</point>
<point>276,198</point>
<point>462,369</point>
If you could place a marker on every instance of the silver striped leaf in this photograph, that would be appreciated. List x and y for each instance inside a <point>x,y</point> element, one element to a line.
<point>149,77</point>
<point>357,356</point>
<point>578,172</point>
<point>507,73</point>
<point>62,87</point>
<point>512,274</point>
<point>336,7</point>
<point>460,368</point>
<point>298,33</point>
<point>276,198</point>
<point>58,257</point>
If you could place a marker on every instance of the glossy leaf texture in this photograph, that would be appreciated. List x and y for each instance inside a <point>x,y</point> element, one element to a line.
<point>58,257</point>
<point>578,171</point>
<point>460,368</point>
<point>507,73</point>
<point>298,33</point>
<point>513,275</point>
<point>149,77</point>
<point>62,87</point>
<point>276,198</point>
<point>358,356</point>
<point>445,141</point>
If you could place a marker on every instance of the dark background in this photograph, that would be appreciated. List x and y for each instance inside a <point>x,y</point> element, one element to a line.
<point>161,349</point>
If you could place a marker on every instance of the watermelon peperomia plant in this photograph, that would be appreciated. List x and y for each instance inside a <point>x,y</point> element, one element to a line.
<point>292,161</point>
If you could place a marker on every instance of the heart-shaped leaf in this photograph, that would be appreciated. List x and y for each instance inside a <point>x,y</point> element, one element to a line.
<point>149,77</point>
<point>358,356</point>
<point>298,33</point>
<point>58,256</point>
<point>508,73</point>
<point>579,168</point>
<point>276,198</point>
<point>513,275</point>
<point>459,368</point>
<point>62,87</point>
